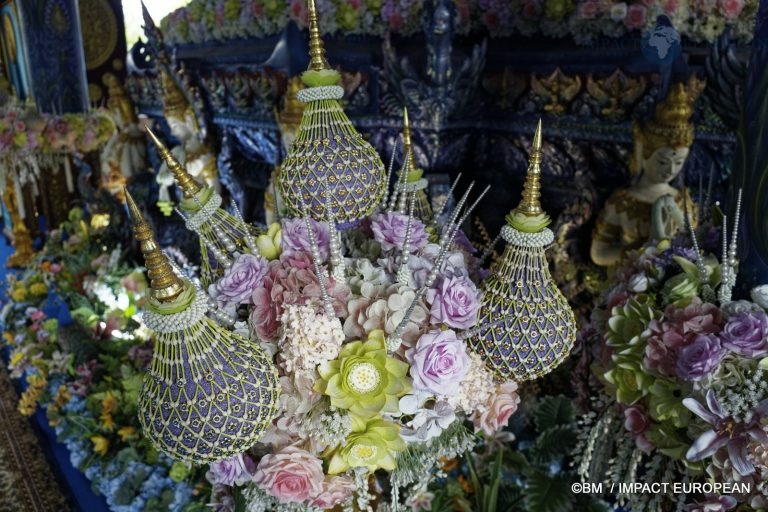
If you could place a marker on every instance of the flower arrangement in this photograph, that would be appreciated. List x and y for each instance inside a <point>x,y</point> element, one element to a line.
<point>217,20</point>
<point>349,407</point>
<point>25,133</point>
<point>683,390</point>
<point>77,343</point>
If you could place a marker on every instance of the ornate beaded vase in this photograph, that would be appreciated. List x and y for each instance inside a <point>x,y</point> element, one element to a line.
<point>209,394</point>
<point>220,233</point>
<point>526,327</point>
<point>328,153</point>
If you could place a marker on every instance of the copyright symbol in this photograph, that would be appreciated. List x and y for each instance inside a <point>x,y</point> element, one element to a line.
<point>576,487</point>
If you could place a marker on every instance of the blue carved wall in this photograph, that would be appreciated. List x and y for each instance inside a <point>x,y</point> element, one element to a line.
<point>55,54</point>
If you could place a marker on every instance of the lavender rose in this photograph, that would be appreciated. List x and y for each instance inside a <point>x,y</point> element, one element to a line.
<point>746,334</point>
<point>239,281</point>
<point>439,362</point>
<point>296,239</point>
<point>455,302</point>
<point>389,230</point>
<point>700,358</point>
<point>233,471</point>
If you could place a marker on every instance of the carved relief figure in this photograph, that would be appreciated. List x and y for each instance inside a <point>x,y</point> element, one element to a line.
<point>652,207</point>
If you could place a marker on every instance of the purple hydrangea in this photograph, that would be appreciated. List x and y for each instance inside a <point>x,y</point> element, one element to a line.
<point>746,334</point>
<point>700,358</point>
<point>296,239</point>
<point>389,229</point>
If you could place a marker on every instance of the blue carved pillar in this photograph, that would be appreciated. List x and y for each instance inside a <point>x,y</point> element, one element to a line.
<point>55,55</point>
<point>751,162</point>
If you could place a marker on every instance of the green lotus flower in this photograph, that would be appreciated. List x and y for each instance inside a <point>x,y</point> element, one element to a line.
<point>373,446</point>
<point>626,332</point>
<point>557,9</point>
<point>364,380</point>
<point>671,442</point>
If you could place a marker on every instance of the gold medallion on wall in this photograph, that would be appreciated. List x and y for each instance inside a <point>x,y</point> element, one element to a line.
<point>99,27</point>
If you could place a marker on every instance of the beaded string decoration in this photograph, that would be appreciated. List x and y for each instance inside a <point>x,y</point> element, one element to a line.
<point>221,234</point>
<point>410,179</point>
<point>209,393</point>
<point>328,146</point>
<point>525,326</point>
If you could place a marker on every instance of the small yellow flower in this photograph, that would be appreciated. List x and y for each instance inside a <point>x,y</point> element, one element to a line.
<point>19,295</point>
<point>269,244</point>
<point>38,289</point>
<point>8,337</point>
<point>127,433</point>
<point>16,357</point>
<point>100,444</point>
<point>108,403</point>
<point>107,422</point>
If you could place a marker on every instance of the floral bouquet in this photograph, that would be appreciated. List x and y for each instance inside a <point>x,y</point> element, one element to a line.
<point>350,408</point>
<point>684,396</point>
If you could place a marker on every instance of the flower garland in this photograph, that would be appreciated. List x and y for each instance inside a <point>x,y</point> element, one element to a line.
<point>204,21</point>
<point>77,342</point>
<point>684,395</point>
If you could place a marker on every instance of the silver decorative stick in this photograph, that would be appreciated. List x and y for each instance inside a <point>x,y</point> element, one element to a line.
<point>403,273</point>
<point>389,176</point>
<point>336,256</point>
<point>321,276</point>
<point>439,212</point>
<point>248,237</point>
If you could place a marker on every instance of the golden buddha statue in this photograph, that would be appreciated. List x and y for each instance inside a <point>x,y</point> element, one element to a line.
<point>193,153</point>
<point>288,120</point>
<point>651,208</point>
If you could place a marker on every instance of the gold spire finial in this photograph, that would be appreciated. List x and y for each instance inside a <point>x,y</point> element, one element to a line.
<point>530,205</point>
<point>317,61</point>
<point>186,182</point>
<point>406,130</point>
<point>166,286</point>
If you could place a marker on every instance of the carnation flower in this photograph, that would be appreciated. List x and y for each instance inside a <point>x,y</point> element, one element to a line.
<point>385,312</point>
<point>295,237</point>
<point>455,302</point>
<point>373,445</point>
<point>238,282</point>
<point>364,380</point>
<point>290,475</point>
<point>746,334</point>
<point>439,362</point>
<point>233,471</point>
<point>495,415</point>
<point>389,229</point>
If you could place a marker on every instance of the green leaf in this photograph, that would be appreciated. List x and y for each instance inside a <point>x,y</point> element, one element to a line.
<point>588,503</point>
<point>552,411</point>
<point>546,493</point>
<point>553,444</point>
<point>515,461</point>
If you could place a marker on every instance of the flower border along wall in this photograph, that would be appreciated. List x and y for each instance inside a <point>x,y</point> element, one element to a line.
<point>369,359</point>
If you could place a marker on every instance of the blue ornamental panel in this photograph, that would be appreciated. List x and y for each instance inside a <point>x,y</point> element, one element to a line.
<point>55,55</point>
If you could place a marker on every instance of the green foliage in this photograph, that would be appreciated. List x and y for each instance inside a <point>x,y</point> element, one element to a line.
<point>548,493</point>
<point>552,411</point>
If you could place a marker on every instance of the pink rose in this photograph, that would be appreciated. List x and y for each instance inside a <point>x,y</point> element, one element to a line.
<point>264,318</point>
<point>636,16</point>
<point>290,475</point>
<point>336,490</point>
<point>439,362</point>
<point>501,407</point>
<point>730,8</point>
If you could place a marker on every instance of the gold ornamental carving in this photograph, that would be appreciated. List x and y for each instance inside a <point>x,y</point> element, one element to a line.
<point>99,28</point>
<point>616,92</point>
<point>557,89</point>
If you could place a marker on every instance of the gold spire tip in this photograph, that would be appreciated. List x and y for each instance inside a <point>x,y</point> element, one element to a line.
<point>186,182</point>
<point>537,138</point>
<point>406,128</point>
<point>133,208</point>
<point>317,60</point>
<point>530,204</point>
